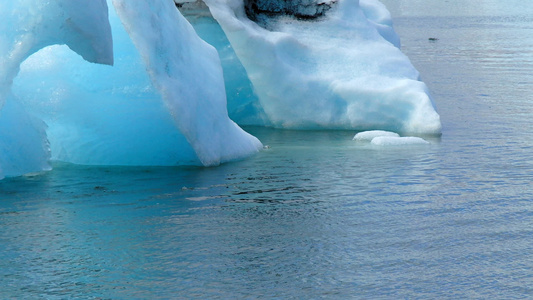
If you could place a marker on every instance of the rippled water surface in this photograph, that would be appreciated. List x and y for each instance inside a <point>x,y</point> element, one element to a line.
<point>316,215</point>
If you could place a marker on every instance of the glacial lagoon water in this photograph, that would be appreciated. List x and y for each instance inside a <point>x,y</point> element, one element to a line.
<point>316,215</point>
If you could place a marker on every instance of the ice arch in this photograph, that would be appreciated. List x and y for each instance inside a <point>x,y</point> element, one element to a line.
<point>25,27</point>
<point>28,26</point>
<point>101,115</point>
<point>172,112</point>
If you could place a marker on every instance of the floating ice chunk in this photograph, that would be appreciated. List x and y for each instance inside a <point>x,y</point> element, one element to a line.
<point>336,71</point>
<point>369,135</point>
<point>398,141</point>
<point>387,138</point>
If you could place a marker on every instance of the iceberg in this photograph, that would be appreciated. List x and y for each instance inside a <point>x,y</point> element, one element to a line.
<point>163,102</point>
<point>327,65</point>
<point>387,138</point>
<point>368,136</point>
<point>132,82</point>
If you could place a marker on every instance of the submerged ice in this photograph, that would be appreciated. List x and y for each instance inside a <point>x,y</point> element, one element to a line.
<point>130,82</point>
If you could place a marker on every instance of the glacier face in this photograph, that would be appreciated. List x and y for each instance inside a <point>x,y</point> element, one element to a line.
<point>340,70</point>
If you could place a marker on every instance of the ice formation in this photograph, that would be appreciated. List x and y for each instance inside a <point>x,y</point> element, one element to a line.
<point>162,104</point>
<point>187,73</point>
<point>370,135</point>
<point>387,138</point>
<point>337,69</point>
<point>243,104</point>
<point>300,64</point>
<point>25,27</point>
<point>23,144</point>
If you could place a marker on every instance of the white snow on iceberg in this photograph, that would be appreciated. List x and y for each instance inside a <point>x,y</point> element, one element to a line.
<point>339,70</point>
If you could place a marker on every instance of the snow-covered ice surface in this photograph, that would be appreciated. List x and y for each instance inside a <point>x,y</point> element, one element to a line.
<point>162,104</point>
<point>340,70</point>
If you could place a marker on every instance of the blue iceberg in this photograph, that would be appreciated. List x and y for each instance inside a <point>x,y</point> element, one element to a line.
<point>130,82</point>
<point>162,103</point>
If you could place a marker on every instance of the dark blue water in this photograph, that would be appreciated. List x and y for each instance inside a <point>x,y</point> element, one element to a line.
<point>316,215</point>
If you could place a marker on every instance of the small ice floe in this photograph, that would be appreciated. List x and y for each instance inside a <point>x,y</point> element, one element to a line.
<point>387,138</point>
<point>370,135</point>
<point>398,141</point>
